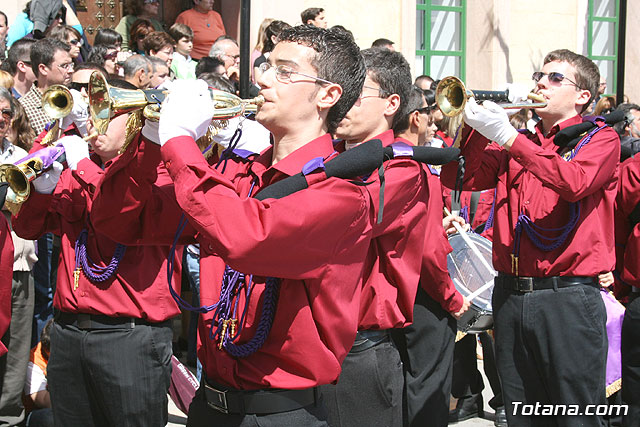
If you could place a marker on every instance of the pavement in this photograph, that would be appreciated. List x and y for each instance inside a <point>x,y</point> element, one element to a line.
<point>177,418</point>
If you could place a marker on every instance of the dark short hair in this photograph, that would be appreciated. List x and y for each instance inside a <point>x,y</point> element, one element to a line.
<point>107,37</point>
<point>6,21</point>
<point>178,31</point>
<point>208,64</point>
<point>43,51</point>
<point>337,60</point>
<point>310,14</point>
<point>218,81</point>
<point>381,43</point>
<point>155,41</point>
<point>62,32</point>
<point>345,31</point>
<point>122,84</point>
<point>628,117</point>
<point>19,51</point>
<point>415,101</point>
<point>273,29</point>
<point>98,53</point>
<point>138,31</point>
<point>392,73</point>
<point>587,73</point>
<point>423,77</point>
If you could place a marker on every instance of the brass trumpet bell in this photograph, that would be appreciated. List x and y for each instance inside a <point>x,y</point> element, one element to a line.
<point>105,102</point>
<point>452,95</point>
<point>57,101</point>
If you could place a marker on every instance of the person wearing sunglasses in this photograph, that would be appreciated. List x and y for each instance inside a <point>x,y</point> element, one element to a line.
<point>553,235</point>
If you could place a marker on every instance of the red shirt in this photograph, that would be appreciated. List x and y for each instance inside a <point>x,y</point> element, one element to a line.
<point>533,179</point>
<point>139,287</point>
<point>6,277</point>
<point>628,235</point>
<point>315,240</point>
<point>434,278</point>
<point>392,266</point>
<point>207,27</point>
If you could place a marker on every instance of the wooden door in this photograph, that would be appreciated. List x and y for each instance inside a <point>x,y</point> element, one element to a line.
<point>97,14</point>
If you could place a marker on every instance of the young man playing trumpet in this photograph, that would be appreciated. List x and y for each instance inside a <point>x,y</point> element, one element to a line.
<point>553,234</point>
<point>284,275</point>
<point>110,358</point>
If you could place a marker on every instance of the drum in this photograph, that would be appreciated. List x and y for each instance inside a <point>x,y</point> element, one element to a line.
<point>469,275</point>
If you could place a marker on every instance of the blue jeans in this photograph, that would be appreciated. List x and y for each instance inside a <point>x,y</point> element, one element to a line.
<point>44,274</point>
<point>192,266</point>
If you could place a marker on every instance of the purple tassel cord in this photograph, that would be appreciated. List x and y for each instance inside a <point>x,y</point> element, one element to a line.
<point>93,272</point>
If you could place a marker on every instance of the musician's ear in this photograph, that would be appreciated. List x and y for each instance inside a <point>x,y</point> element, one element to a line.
<point>328,95</point>
<point>393,104</point>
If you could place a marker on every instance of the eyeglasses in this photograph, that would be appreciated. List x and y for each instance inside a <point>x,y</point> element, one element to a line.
<point>7,114</point>
<point>284,73</point>
<point>65,67</point>
<point>361,97</point>
<point>78,86</point>
<point>111,56</point>
<point>234,57</point>
<point>554,77</point>
<point>75,42</point>
<point>423,110</point>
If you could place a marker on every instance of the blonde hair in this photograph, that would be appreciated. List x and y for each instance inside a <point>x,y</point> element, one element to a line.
<point>262,36</point>
<point>6,79</point>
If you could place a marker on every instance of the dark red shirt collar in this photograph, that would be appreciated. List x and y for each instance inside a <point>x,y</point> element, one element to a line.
<point>555,129</point>
<point>293,163</point>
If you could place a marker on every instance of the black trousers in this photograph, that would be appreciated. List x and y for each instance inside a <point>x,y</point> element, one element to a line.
<point>426,349</point>
<point>467,379</point>
<point>110,377</point>
<point>631,362</point>
<point>551,348</point>
<point>201,415</point>
<point>369,390</point>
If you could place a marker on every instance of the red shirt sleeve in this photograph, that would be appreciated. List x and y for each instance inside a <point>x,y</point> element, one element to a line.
<point>267,237</point>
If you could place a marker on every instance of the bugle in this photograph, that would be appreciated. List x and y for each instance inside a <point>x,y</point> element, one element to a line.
<point>105,102</point>
<point>20,174</point>
<point>452,95</point>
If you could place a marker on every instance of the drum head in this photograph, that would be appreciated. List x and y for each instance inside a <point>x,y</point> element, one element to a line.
<point>468,272</point>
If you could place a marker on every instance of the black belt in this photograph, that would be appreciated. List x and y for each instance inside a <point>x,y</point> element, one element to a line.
<point>231,401</point>
<point>368,339</point>
<point>99,321</point>
<point>530,284</point>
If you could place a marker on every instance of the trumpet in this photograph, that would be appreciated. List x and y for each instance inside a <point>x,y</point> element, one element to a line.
<point>20,174</point>
<point>451,97</point>
<point>105,102</point>
<point>57,102</point>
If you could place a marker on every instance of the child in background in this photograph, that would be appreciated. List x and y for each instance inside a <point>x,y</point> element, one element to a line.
<point>183,66</point>
<point>37,401</point>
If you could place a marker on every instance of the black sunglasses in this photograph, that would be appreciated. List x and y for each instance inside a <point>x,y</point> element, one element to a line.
<point>78,86</point>
<point>7,114</point>
<point>554,77</point>
<point>423,110</point>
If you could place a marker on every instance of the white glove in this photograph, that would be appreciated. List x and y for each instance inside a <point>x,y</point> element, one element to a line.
<point>518,92</point>
<point>187,111</point>
<point>150,131</point>
<point>46,183</point>
<point>75,149</point>
<point>490,120</point>
<point>79,113</point>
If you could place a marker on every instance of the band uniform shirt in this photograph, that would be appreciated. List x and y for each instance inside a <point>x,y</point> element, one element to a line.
<point>393,263</point>
<point>139,287</point>
<point>533,179</point>
<point>627,233</point>
<point>315,240</point>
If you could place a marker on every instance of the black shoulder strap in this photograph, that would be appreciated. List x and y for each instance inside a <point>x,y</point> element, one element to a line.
<point>473,205</point>
<point>634,216</point>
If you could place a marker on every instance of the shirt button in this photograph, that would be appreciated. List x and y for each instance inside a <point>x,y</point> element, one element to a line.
<point>526,202</point>
<point>81,172</point>
<point>210,248</point>
<point>168,164</point>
